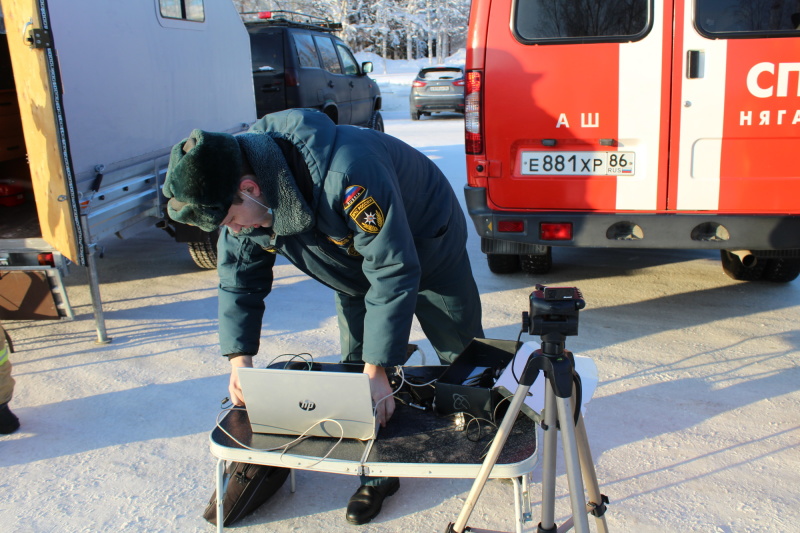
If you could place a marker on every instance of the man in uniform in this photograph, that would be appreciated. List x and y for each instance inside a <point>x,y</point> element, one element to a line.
<point>359,211</point>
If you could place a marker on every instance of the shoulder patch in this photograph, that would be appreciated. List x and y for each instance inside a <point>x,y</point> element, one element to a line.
<point>368,215</point>
<point>351,195</point>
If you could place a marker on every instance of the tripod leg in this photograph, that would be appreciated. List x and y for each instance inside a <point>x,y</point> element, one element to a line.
<point>549,461</point>
<point>491,457</point>
<point>590,476</point>
<point>571,458</point>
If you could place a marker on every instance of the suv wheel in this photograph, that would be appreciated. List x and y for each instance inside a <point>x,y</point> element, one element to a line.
<point>376,122</point>
<point>415,115</point>
<point>204,253</point>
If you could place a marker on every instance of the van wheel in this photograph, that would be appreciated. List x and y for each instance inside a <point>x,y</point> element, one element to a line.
<point>537,264</point>
<point>733,267</point>
<point>415,115</point>
<point>376,122</point>
<point>503,263</point>
<point>781,269</point>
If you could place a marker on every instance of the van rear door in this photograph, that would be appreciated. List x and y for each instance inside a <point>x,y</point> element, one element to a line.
<point>737,107</point>
<point>581,98</point>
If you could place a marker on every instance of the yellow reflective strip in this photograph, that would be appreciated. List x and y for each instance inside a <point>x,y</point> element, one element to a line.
<point>3,355</point>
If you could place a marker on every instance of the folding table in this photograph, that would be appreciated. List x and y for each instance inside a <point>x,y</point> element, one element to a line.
<point>415,443</point>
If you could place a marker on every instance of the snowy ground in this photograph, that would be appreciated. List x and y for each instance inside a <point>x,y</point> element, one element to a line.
<point>694,424</point>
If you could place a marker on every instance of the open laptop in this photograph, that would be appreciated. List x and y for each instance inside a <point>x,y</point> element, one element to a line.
<point>296,402</point>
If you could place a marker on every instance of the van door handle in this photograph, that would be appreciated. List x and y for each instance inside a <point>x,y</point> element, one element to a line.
<point>352,84</point>
<point>330,84</point>
<point>695,60</point>
<point>270,89</point>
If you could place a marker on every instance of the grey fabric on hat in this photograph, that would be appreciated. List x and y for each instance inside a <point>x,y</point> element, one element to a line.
<point>290,212</point>
<point>202,178</point>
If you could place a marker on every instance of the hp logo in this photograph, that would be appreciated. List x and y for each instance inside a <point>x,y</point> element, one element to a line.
<point>307,405</point>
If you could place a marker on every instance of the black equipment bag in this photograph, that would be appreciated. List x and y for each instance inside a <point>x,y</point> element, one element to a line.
<point>249,486</point>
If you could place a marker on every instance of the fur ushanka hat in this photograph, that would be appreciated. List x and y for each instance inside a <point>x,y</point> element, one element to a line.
<point>204,173</point>
<point>202,179</point>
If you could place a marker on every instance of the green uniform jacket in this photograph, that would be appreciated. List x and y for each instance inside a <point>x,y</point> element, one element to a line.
<point>386,224</point>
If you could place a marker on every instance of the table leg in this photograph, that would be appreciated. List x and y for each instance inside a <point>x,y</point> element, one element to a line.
<point>220,494</point>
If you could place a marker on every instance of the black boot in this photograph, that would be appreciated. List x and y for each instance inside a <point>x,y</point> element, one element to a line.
<point>8,422</point>
<point>366,503</point>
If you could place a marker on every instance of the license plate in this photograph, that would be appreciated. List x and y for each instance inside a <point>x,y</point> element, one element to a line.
<point>578,163</point>
<point>438,88</point>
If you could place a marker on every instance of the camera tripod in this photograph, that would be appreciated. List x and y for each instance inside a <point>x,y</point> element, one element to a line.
<point>553,318</point>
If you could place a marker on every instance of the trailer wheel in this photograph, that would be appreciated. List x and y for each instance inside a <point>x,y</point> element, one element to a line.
<point>781,269</point>
<point>503,263</point>
<point>376,122</point>
<point>733,267</point>
<point>537,264</point>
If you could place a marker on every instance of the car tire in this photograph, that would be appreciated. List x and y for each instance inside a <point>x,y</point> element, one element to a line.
<point>376,122</point>
<point>503,263</point>
<point>537,264</point>
<point>415,115</point>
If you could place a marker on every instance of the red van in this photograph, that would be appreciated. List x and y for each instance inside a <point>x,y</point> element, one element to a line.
<point>635,124</point>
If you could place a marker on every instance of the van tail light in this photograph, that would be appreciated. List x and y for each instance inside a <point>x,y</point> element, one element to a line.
<point>418,83</point>
<point>473,138</point>
<point>555,231</point>
<point>290,78</point>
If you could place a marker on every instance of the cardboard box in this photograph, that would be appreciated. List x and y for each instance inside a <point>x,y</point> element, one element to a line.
<point>466,385</point>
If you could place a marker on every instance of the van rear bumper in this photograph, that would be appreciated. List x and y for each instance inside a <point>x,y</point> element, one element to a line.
<point>639,230</point>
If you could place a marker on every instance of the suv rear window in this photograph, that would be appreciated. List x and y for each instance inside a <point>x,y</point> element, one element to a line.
<point>441,74</point>
<point>266,49</point>
<point>571,20</point>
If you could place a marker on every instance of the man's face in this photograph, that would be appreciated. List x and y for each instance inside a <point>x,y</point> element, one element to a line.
<point>250,213</point>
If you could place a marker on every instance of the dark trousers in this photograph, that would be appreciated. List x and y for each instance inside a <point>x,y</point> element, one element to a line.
<point>449,314</point>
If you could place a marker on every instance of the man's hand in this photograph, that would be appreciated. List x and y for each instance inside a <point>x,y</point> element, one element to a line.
<point>234,388</point>
<point>379,385</point>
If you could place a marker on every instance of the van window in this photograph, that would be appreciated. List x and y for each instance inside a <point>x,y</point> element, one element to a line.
<point>330,61</point>
<point>183,9</point>
<point>602,21</point>
<point>306,51</point>
<point>739,18</point>
<point>349,62</point>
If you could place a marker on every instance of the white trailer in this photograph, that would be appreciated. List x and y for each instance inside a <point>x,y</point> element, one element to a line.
<point>93,94</point>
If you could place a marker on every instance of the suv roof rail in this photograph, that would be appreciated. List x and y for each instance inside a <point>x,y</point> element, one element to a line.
<point>293,19</point>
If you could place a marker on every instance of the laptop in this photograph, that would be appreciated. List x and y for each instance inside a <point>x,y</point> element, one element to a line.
<point>296,402</point>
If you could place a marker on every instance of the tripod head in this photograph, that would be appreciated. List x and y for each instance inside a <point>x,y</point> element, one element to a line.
<point>553,312</point>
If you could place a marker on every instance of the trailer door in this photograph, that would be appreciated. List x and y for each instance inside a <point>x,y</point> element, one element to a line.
<point>736,107</point>
<point>576,100</point>
<point>37,80</point>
